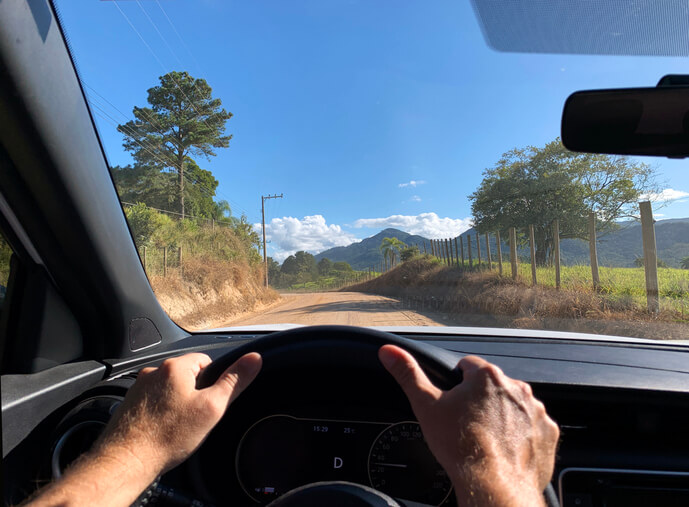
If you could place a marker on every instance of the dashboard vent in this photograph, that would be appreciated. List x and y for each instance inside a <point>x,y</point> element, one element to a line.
<point>80,429</point>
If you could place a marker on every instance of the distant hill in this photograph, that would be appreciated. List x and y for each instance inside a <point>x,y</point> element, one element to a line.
<point>620,248</point>
<point>366,253</point>
<point>616,249</point>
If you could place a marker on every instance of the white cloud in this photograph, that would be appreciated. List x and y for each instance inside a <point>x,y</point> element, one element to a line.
<point>412,183</point>
<point>288,235</point>
<point>669,194</point>
<point>415,198</point>
<point>428,225</point>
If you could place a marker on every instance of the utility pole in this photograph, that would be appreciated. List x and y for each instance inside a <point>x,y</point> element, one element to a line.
<point>263,229</point>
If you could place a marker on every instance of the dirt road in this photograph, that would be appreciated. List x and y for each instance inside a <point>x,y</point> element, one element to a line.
<point>346,308</point>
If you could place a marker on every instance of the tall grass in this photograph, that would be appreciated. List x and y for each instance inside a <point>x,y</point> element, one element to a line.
<point>221,273</point>
<point>618,284</point>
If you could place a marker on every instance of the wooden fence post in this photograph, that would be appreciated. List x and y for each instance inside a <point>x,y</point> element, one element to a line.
<point>164,261</point>
<point>513,252</point>
<point>461,249</point>
<point>424,247</point>
<point>593,251</point>
<point>471,264</point>
<point>478,249</point>
<point>556,248</point>
<point>497,242</point>
<point>447,252</point>
<point>144,261</point>
<point>456,251</point>
<point>433,248</point>
<point>488,257</point>
<point>452,253</point>
<point>648,235</point>
<point>532,245</point>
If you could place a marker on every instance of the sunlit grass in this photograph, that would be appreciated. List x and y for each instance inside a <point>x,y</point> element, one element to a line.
<point>628,284</point>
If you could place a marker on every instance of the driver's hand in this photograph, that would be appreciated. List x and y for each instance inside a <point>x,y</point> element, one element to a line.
<point>164,418</point>
<point>492,437</point>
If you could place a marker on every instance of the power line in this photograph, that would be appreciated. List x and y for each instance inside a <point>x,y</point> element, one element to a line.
<point>150,49</point>
<point>191,102</point>
<point>198,66</point>
<point>128,131</point>
<point>176,213</point>
<point>106,116</point>
<point>155,27</point>
<point>149,118</point>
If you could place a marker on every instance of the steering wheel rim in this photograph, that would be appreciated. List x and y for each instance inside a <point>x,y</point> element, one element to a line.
<point>342,345</point>
<point>336,345</point>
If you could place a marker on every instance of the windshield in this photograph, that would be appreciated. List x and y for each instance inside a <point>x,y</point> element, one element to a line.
<point>381,164</point>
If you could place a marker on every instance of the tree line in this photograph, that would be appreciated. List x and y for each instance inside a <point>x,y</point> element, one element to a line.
<point>536,186</point>
<point>302,268</point>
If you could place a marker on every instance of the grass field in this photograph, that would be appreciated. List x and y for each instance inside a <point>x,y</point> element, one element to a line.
<point>626,285</point>
<point>484,298</point>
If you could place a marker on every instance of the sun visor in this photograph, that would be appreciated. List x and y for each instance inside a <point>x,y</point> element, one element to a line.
<point>591,27</point>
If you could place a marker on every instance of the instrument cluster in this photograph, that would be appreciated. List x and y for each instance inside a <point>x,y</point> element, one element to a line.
<point>281,452</point>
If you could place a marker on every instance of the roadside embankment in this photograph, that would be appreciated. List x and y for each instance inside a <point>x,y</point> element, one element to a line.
<point>488,299</point>
<point>207,293</point>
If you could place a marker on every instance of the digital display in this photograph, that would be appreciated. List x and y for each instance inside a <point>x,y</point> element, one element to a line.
<point>280,453</point>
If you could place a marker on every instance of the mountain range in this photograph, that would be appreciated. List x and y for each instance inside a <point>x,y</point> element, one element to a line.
<point>615,249</point>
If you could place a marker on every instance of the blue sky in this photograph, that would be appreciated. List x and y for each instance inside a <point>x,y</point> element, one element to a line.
<point>364,114</point>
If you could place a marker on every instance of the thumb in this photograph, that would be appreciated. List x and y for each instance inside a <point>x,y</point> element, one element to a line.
<point>237,377</point>
<point>409,375</point>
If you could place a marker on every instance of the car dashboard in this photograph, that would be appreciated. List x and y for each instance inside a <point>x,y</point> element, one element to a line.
<point>623,410</point>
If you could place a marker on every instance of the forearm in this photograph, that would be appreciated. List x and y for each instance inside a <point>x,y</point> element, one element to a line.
<point>494,489</point>
<point>112,476</point>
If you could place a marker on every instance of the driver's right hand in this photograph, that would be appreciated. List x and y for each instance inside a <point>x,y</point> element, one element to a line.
<point>493,438</point>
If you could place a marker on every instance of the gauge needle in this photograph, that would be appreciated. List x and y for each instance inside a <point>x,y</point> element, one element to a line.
<point>398,465</point>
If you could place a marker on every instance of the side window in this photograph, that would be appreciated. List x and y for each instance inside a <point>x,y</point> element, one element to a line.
<point>5,254</point>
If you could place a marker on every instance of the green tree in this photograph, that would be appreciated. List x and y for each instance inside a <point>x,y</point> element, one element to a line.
<point>390,248</point>
<point>246,233</point>
<point>184,121</point>
<point>158,189</point>
<point>342,267</point>
<point>325,266</point>
<point>302,265</point>
<point>535,186</point>
<point>306,266</point>
<point>289,266</point>
<point>409,253</point>
<point>684,263</point>
<point>273,271</point>
<point>144,223</point>
<point>146,184</point>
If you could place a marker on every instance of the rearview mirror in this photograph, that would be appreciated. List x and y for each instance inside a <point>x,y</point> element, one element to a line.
<point>634,121</point>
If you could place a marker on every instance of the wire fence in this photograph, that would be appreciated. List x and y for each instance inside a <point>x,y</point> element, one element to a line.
<point>209,222</point>
<point>465,252</point>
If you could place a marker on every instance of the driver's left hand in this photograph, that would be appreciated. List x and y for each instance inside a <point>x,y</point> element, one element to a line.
<point>164,418</point>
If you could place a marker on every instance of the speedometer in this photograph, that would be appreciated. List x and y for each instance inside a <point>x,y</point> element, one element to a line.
<point>401,465</point>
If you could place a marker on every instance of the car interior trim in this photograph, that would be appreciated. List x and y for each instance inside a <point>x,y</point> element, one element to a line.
<point>630,471</point>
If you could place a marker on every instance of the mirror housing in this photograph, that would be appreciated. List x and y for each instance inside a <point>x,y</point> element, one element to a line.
<point>633,121</point>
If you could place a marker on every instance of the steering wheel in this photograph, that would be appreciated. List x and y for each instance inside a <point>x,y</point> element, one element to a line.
<point>339,347</point>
